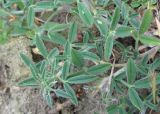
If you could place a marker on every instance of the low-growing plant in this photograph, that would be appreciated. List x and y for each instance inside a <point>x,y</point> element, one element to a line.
<point>93,57</point>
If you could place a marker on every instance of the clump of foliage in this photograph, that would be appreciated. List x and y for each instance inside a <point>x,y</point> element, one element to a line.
<point>94,56</point>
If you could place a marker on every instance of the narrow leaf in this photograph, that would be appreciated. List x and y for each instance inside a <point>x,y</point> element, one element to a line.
<point>61,93</point>
<point>90,56</point>
<point>41,47</point>
<point>98,69</point>
<point>149,40</point>
<point>44,5</point>
<point>54,52</point>
<point>108,48</point>
<point>65,69</point>
<point>28,82</point>
<point>135,99</point>
<point>57,38</point>
<point>115,19</point>
<point>71,93</point>
<point>146,21</point>
<point>124,31</point>
<point>102,26</point>
<point>72,33</point>
<point>80,79</point>
<point>26,59</point>
<point>131,71</point>
<point>142,83</point>
<point>30,16</point>
<point>77,58</point>
<point>85,14</point>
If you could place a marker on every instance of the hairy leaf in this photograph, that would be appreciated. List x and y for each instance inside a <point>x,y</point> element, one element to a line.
<point>146,21</point>
<point>135,99</point>
<point>131,71</point>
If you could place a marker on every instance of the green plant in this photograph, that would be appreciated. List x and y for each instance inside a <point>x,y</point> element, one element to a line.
<point>79,61</point>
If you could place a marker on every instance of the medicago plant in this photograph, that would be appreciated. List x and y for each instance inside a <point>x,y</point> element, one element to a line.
<point>114,49</point>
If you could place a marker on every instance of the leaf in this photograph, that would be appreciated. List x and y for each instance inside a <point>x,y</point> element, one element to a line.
<point>57,38</point>
<point>67,49</point>
<point>115,19</point>
<point>77,58</point>
<point>90,56</point>
<point>86,38</point>
<point>145,82</point>
<point>135,99</point>
<point>72,33</point>
<point>54,52</point>
<point>146,21</point>
<point>142,83</point>
<point>102,26</point>
<point>149,40</point>
<point>108,48</point>
<point>45,5</point>
<point>80,79</point>
<point>26,59</point>
<point>48,99</point>
<point>54,27</point>
<point>124,31</point>
<point>131,71</point>
<point>59,27</point>
<point>61,93</point>
<point>65,69</point>
<point>85,14</point>
<point>30,16</point>
<point>30,64</point>
<point>41,47</point>
<point>28,82</point>
<point>98,69</point>
<point>71,93</point>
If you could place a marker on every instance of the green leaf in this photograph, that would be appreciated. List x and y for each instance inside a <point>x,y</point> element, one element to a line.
<point>90,56</point>
<point>61,93</point>
<point>145,82</point>
<point>71,93</point>
<point>65,69</point>
<point>102,26</point>
<point>67,49</point>
<point>115,19</point>
<point>86,38</point>
<point>98,69</point>
<point>77,58</point>
<point>54,27</point>
<point>44,5</point>
<point>149,40</point>
<point>26,59</point>
<point>72,33</point>
<point>135,99</point>
<point>85,14</point>
<point>30,64</point>
<point>151,106</point>
<point>131,71</point>
<point>146,21</point>
<point>30,16</point>
<point>124,31</point>
<point>108,47</point>
<point>28,82</point>
<point>41,47</point>
<point>48,99</point>
<point>57,38</point>
<point>80,79</point>
<point>54,52</point>
<point>59,27</point>
<point>142,83</point>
